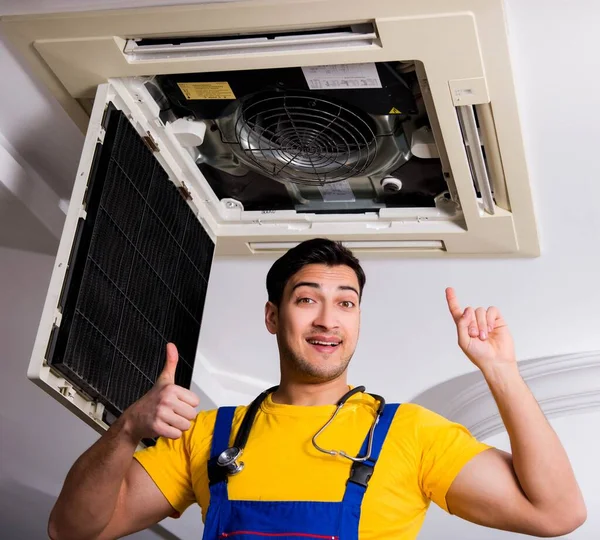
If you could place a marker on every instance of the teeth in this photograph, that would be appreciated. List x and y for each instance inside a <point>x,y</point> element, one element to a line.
<point>330,343</point>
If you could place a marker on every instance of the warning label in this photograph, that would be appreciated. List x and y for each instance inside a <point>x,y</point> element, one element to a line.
<point>342,76</point>
<point>394,111</point>
<point>206,90</point>
<point>337,192</point>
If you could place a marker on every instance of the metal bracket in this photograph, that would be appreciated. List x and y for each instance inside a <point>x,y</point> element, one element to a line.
<point>150,142</point>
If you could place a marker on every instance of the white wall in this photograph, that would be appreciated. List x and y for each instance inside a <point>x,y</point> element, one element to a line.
<point>39,439</point>
<point>37,434</point>
<point>580,438</point>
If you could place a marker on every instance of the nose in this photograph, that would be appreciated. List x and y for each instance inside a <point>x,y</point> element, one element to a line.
<point>326,317</point>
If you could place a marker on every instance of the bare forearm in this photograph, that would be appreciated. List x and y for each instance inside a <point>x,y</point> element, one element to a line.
<point>539,459</point>
<point>91,489</point>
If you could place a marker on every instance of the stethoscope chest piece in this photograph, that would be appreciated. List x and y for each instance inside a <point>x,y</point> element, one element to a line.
<point>228,459</point>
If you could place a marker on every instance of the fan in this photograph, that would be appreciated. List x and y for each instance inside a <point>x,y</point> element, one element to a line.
<point>303,138</point>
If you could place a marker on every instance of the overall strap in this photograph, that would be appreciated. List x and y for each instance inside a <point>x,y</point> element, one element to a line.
<point>220,441</point>
<point>361,472</point>
<point>222,431</point>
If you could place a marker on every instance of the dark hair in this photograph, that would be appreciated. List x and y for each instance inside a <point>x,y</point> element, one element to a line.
<point>314,251</point>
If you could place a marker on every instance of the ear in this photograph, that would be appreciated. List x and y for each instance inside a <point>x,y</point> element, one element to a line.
<point>271,317</point>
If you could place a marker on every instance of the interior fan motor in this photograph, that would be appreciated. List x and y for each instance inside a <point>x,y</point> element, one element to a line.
<point>303,138</point>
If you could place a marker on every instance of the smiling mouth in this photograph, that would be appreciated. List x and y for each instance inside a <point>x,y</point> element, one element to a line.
<point>324,345</point>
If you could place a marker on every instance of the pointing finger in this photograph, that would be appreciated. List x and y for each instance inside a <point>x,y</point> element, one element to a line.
<point>453,304</point>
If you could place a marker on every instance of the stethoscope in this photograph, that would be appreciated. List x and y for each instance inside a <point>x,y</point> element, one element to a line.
<point>229,459</point>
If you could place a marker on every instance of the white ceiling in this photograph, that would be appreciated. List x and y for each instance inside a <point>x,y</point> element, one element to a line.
<point>36,126</point>
<point>407,340</point>
<point>20,7</point>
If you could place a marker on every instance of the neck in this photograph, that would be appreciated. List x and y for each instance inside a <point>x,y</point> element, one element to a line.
<point>308,395</point>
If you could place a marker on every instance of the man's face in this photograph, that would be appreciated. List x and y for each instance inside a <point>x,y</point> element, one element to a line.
<point>317,323</point>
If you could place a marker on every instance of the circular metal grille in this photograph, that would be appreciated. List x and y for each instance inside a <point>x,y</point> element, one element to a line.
<point>305,139</point>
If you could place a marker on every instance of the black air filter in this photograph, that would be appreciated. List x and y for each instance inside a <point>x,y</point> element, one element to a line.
<point>137,277</point>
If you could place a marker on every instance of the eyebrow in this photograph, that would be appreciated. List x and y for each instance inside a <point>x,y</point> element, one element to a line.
<point>317,286</point>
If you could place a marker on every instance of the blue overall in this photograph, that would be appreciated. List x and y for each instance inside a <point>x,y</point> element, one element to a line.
<point>287,520</point>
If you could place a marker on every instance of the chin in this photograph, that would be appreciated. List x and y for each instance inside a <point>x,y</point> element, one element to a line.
<point>314,377</point>
<point>312,366</point>
<point>322,369</point>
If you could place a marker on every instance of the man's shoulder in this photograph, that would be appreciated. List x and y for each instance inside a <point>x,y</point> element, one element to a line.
<point>415,412</point>
<point>427,426</point>
<point>207,418</point>
<point>199,436</point>
<point>415,416</point>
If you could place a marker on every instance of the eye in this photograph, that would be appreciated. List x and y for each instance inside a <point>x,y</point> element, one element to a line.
<point>347,304</point>
<point>305,300</point>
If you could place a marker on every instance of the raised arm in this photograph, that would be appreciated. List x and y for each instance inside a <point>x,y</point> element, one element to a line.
<point>534,491</point>
<point>107,494</point>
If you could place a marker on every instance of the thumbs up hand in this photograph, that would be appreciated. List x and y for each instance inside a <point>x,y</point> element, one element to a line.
<point>166,410</point>
<point>168,373</point>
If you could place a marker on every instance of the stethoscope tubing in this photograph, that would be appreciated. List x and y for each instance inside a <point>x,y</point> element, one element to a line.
<point>228,458</point>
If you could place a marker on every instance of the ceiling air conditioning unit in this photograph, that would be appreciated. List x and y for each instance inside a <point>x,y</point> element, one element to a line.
<point>244,128</point>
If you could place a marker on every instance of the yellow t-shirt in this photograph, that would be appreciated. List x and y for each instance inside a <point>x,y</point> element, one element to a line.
<point>421,456</point>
